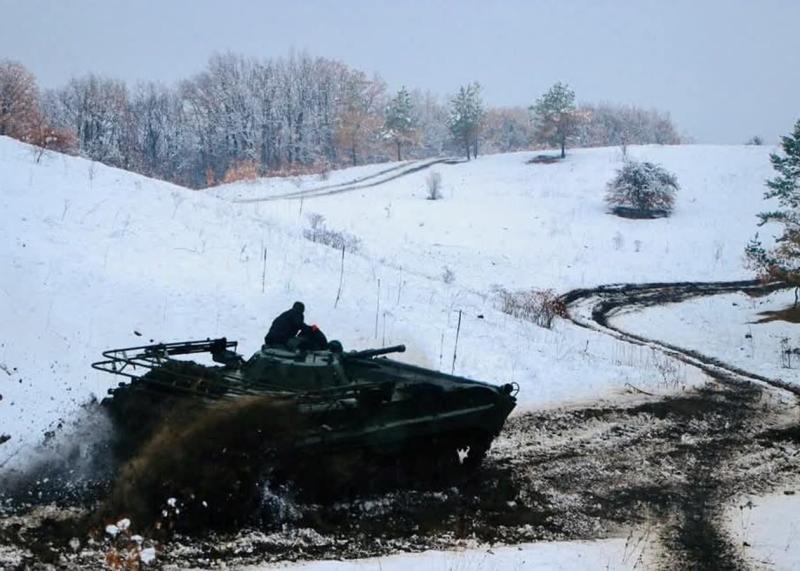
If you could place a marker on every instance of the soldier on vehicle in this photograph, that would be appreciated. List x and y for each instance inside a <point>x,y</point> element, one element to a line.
<point>287,325</point>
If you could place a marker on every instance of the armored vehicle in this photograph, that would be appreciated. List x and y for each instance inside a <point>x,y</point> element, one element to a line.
<point>347,400</point>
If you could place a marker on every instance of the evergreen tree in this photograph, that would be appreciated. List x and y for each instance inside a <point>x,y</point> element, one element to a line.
<point>555,116</point>
<point>782,261</point>
<point>399,125</point>
<point>466,117</point>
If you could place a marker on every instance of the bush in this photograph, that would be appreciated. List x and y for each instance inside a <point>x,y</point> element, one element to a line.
<point>538,306</point>
<point>318,232</point>
<point>642,190</point>
<point>240,171</point>
<point>434,184</point>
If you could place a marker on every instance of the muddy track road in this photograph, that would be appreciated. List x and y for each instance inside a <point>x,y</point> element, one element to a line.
<point>658,471</point>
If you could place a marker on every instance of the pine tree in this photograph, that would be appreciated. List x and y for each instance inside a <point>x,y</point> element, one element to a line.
<point>466,117</point>
<point>782,261</point>
<point>555,116</point>
<point>399,126</point>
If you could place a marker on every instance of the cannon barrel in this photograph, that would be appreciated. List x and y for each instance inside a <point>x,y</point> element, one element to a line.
<point>369,353</point>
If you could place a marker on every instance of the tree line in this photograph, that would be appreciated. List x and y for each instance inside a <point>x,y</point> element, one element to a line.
<point>241,118</point>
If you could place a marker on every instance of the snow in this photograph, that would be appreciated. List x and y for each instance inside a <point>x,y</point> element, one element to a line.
<point>148,555</point>
<point>725,327</point>
<point>767,529</point>
<point>97,257</point>
<point>610,554</point>
<point>506,222</point>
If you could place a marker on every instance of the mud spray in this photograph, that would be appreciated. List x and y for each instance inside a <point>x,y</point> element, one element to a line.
<point>71,466</point>
<point>204,469</point>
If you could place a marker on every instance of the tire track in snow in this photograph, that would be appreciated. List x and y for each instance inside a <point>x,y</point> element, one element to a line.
<point>356,184</point>
<point>593,308</point>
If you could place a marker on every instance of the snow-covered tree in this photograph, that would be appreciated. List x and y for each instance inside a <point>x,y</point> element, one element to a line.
<point>606,125</point>
<point>642,189</point>
<point>432,130</point>
<point>399,124</point>
<point>782,261</point>
<point>466,117</point>
<point>555,116</point>
<point>98,111</point>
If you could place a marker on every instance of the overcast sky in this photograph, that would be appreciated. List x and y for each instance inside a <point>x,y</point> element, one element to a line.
<point>725,69</point>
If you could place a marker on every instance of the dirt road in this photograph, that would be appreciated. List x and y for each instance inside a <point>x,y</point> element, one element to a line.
<point>361,183</point>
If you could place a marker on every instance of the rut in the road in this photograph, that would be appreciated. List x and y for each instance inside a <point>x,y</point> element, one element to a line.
<point>694,537</point>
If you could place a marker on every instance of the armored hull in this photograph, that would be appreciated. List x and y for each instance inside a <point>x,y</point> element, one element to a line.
<point>345,401</point>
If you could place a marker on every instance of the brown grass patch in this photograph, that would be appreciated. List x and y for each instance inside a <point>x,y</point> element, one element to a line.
<point>789,314</point>
<point>544,160</point>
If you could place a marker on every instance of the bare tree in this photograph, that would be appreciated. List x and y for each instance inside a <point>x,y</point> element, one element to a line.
<point>360,118</point>
<point>19,108</point>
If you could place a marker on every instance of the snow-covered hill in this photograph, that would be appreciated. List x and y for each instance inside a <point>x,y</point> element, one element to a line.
<point>95,257</point>
<point>507,222</point>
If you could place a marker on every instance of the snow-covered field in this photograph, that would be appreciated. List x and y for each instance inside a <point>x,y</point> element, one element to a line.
<point>506,222</point>
<point>767,529</point>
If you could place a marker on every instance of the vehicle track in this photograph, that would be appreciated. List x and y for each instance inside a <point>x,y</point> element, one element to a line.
<point>593,308</point>
<point>695,538</point>
<point>361,183</point>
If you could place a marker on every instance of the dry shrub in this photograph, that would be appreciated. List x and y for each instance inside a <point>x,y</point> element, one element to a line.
<point>211,461</point>
<point>433,183</point>
<point>241,171</point>
<point>211,177</point>
<point>538,306</point>
<point>544,160</point>
<point>46,138</point>
<point>320,233</point>
<point>320,167</point>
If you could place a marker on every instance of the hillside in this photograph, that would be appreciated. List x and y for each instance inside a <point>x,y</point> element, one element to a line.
<point>520,225</point>
<point>96,257</point>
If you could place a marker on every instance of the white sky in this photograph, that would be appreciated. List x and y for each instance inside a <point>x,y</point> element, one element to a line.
<point>725,69</point>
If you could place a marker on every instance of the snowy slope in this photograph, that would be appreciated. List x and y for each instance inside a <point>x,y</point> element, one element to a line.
<point>507,222</point>
<point>92,254</point>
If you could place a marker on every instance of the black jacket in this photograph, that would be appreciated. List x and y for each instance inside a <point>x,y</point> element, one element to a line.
<point>287,325</point>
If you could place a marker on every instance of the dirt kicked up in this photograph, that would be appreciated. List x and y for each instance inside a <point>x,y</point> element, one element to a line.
<point>666,466</point>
